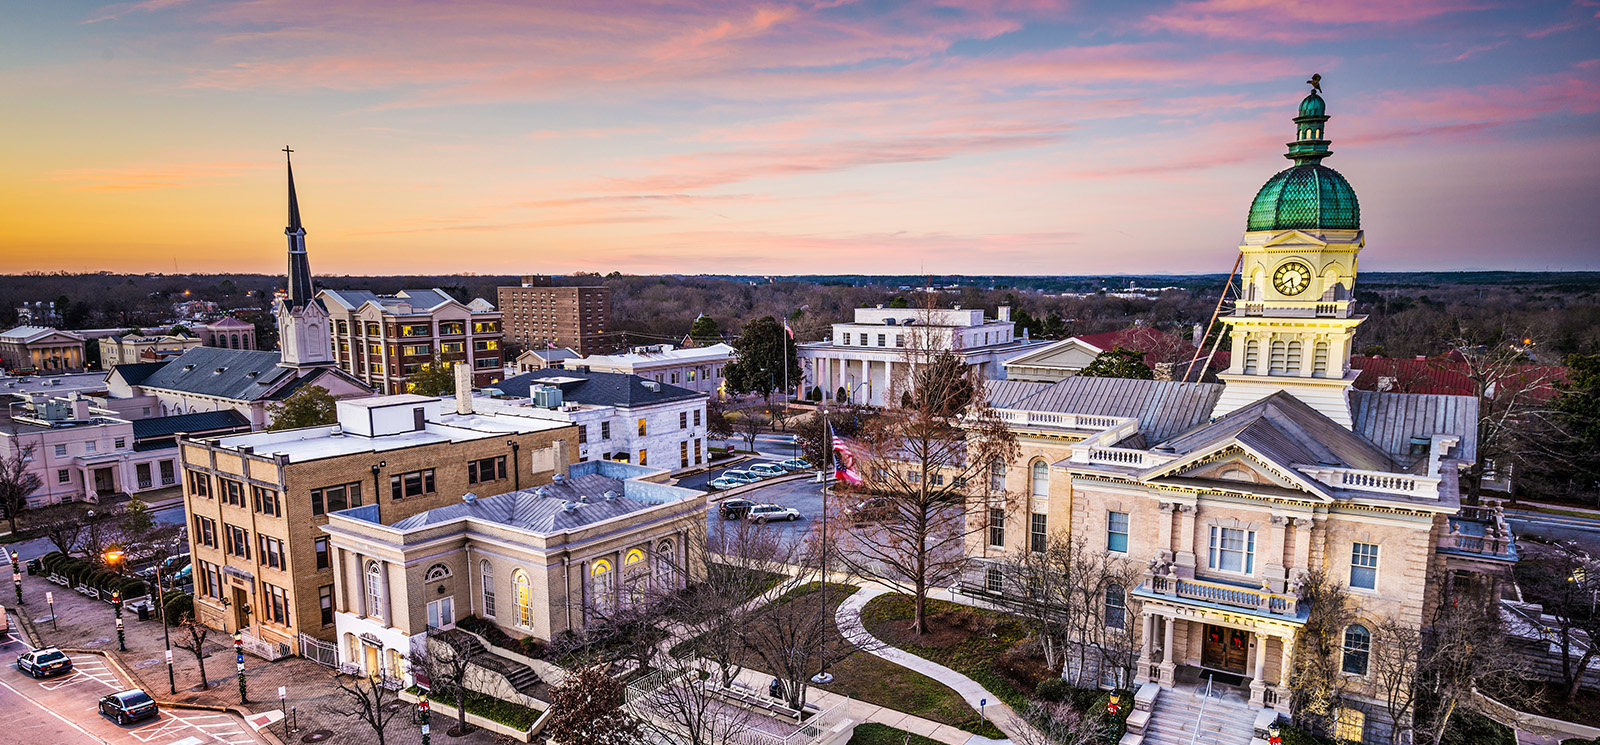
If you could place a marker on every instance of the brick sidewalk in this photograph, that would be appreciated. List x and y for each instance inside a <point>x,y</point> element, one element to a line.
<point>86,624</point>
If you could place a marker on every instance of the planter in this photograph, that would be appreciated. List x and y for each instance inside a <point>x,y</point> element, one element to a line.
<point>448,712</point>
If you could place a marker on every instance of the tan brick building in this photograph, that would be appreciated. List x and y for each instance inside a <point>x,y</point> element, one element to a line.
<point>540,316</point>
<point>256,502</point>
<point>381,339</point>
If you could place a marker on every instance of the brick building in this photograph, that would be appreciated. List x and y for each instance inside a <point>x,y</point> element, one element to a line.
<point>539,316</point>
<point>256,502</point>
<point>381,339</point>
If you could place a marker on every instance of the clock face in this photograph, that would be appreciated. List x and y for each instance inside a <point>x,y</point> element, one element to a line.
<point>1292,278</point>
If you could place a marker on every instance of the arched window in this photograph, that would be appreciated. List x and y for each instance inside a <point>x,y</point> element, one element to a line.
<point>235,341</point>
<point>1357,643</point>
<point>600,583</point>
<point>665,566</point>
<point>244,342</point>
<point>436,572</point>
<point>523,595</point>
<point>1041,479</point>
<point>374,589</point>
<point>487,571</point>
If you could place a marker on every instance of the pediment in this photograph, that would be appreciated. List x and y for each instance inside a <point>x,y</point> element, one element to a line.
<point>1070,354</point>
<point>1237,463</point>
<point>1295,238</point>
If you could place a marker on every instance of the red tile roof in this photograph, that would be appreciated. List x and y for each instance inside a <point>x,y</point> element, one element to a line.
<point>1447,374</point>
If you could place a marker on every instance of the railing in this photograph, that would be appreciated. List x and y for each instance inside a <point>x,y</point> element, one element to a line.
<point>1117,457</point>
<point>1488,545</point>
<point>1325,310</point>
<point>1200,719</point>
<point>1064,421</point>
<point>1212,592</point>
<point>1401,484</point>
<point>260,647</point>
<point>1254,309</point>
<point>145,483</point>
<point>169,480</point>
<point>318,651</point>
<point>1269,696</point>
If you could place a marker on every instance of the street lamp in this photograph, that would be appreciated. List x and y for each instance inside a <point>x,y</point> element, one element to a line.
<point>114,557</point>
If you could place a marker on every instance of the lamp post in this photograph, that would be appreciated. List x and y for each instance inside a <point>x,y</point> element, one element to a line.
<point>166,636</point>
<point>114,558</point>
<point>238,659</point>
<point>422,711</point>
<point>16,575</point>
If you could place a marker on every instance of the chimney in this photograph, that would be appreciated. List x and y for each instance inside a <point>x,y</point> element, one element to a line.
<point>80,409</point>
<point>1199,336</point>
<point>563,454</point>
<point>1004,313</point>
<point>463,388</point>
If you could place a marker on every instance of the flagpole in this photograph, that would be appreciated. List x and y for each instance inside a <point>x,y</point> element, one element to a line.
<point>822,675</point>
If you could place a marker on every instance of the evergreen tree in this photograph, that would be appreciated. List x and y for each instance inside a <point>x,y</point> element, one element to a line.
<point>436,378</point>
<point>310,406</point>
<point>1118,363</point>
<point>705,330</point>
<point>763,349</point>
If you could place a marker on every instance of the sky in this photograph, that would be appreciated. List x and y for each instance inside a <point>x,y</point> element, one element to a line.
<point>810,137</point>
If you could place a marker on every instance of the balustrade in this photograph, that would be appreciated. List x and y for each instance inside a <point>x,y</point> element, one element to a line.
<point>1222,594</point>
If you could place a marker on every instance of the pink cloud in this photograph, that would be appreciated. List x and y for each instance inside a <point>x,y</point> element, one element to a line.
<point>1298,20</point>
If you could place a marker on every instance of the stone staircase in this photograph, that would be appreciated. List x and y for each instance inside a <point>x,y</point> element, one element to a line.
<point>521,677</point>
<point>1177,717</point>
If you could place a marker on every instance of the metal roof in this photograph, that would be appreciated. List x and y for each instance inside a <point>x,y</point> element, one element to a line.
<point>1288,431</point>
<point>540,509</point>
<point>203,421</point>
<point>239,374</point>
<point>1390,420</point>
<point>597,388</point>
<point>136,373</point>
<point>1164,408</point>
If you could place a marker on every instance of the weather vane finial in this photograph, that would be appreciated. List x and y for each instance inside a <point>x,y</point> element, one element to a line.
<point>1315,82</point>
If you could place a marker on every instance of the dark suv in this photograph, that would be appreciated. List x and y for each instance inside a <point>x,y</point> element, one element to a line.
<point>734,509</point>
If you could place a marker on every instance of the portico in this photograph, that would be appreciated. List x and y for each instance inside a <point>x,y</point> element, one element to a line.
<point>1219,629</point>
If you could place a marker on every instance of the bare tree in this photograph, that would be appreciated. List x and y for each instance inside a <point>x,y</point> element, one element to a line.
<point>749,424</point>
<point>1512,392</point>
<point>739,562</point>
<point>1040,583</point>
<point>923,456</point>
<point>63,524</point>
<point>1316,683</point>
<point>1567,585</point>
<point>17,479</point>
<point>194,641</point>
<point>446,660</point>
<point>684,706</point>
<point>793,639</point>
<point>587,709</point>
<point>1393,661</point>
<point>717,425</point>
<point>1464,651</point>
<point>366,699</point>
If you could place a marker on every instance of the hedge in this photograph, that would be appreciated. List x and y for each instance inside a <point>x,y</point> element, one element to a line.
<point>178,607</point>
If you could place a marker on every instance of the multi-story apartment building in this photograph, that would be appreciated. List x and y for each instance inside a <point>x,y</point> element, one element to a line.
<point>867,356</point>
<point>698,369</point>
<point>541,316</point>
<point>1223,499</point>
<point>381,339</point>
<point>536,562</point>
<point>256,502</point>
<point>619,417</point>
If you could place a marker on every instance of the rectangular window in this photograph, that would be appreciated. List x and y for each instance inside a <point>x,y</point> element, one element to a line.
<point>276,601</point>
<point>683,454</point>
<point>64,476</point>
<point>416,350</point>
<point>994,580</point>
<point>452,328</point>
<point>997,526</point>
<point>683,420</point>
<point>119,443</point>
<point>1117,532</point>
<point>696,417</point>
<point>89,447</point>
<point>320,546</point>
<point>486,469</point>
<point>199,484</point>
<point>883,340</point>
<point>899,340</point>
<point>205,531</point>
<point>1351,726</point>
<point>484,363</point>
<point>486,345</point>
<point>697,451</point>
<point>375,348</point>
<point>641,427</point>
<point>583,433</point>
<point>420,329</point>
<point>237,539</point>
<point>486,327</point>
<point>1036,534</point>
<point>452,347</point>
<point>209,580</point>
<point>325,602</point>
<point>1116,607</point>
<point>605,430</point>
<point>644,457</point>
<point>997,475</point>
<point>266,501</point>
<point>335,498</point>
<point>413,484</point>
<point>374,329</point>
<point>1233,550</point>
<point>1364,566</point>
<point>272,552</point>
<point>232,491</point>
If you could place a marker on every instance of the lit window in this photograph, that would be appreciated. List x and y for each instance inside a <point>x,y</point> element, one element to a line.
<point>523,594</point>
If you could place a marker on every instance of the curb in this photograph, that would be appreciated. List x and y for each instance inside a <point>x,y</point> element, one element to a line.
<point>718,496</point>
<point>127,674</point>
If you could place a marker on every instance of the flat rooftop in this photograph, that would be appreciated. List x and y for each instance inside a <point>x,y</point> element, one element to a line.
<point>331,441</point>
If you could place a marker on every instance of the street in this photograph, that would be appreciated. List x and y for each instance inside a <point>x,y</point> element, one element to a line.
<point>63,709</point>
<point>1579,532</point>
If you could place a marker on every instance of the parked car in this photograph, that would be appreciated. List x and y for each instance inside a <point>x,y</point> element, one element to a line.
<point>41,662</point>
<point>875,508</point>
<point>764,512</point>
<point>795,464</point>
<point>744,476</point>
<point>768,469</point>
<point>733,509</point>
<point>725,483</point>
<point>128,706</point>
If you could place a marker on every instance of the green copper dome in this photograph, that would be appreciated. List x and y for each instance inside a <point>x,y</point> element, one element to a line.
<point>1308,196</point>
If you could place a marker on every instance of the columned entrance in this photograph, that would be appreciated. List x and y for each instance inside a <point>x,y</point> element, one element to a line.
<point>1225,649</point>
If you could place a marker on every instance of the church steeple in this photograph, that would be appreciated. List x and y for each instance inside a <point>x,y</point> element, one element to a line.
<point>300,291</point>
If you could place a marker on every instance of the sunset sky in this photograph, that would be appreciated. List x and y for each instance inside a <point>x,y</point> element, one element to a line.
<point>970,137</point>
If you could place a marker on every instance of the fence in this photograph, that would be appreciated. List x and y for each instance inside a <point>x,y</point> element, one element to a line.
<point>269,651</point>
<point>318,651</point>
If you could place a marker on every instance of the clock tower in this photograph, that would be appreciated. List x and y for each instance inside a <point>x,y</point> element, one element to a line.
<point>1291,327</point>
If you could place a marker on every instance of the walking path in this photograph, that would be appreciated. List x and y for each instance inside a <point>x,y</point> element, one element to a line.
<point>848,618</point>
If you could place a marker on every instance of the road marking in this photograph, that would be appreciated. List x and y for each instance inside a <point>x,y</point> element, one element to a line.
<point>257,721</point>
<point>47,710</point>
<point>220,727</point>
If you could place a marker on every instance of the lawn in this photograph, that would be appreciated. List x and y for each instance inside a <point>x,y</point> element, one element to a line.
<point>975,642</point>
<point>877,681</point>
<point>873,733</point>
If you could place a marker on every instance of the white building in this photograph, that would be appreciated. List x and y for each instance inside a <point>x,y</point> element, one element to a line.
<point>861,356</point>
<point>696,368</point>
<point>619,417</point>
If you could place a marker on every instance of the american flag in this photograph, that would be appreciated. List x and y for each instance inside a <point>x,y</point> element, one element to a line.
<point>787,329</point>
<point>844,459</point>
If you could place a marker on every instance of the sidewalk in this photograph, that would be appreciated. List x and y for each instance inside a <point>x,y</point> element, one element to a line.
<point>848,618</point>
<point>88,625</point>
<point>862,712</point>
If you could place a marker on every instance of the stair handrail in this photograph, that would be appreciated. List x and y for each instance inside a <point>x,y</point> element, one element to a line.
<point>1201,718</point>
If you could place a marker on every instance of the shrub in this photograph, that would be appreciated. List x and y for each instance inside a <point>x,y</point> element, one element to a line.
<point>532,647</point>
<point>179,607</point>
<point>1052,690</point>
<point>48,561</point>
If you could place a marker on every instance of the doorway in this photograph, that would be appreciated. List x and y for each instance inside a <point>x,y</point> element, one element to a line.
<point>1225,648</point>
<point>103,481</point>
<point>241,609</point>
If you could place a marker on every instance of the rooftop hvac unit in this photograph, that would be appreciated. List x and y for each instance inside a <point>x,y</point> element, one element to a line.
<point>545,396</point>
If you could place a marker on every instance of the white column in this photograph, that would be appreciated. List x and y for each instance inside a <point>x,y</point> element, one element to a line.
<point>388,596</point>
<point>1168,668</point>
<point>1258,685</point>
